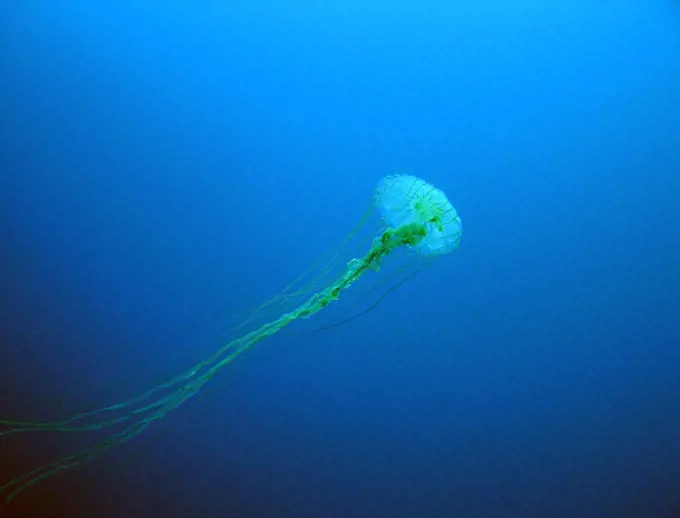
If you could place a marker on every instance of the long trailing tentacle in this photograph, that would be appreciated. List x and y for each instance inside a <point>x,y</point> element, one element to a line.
<point>296,291</point>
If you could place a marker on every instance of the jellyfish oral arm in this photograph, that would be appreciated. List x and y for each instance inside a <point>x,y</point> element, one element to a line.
<point>410,234</point>
<point>391,239</point>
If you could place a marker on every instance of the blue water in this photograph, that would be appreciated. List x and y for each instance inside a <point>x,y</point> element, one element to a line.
<point>164,166</point>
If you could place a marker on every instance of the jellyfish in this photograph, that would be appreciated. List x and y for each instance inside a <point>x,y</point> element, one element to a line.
<point>416,216</point>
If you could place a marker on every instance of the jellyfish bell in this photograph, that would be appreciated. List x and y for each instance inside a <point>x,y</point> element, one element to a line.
<point>406,199</point>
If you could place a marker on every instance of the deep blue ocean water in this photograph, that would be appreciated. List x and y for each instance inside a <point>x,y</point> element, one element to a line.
<point>165,165</point>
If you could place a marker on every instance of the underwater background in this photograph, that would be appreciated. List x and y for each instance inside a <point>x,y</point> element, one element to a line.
<point>165,165</point>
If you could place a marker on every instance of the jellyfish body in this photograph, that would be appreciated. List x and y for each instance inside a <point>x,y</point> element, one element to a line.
<point>418,216</point>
